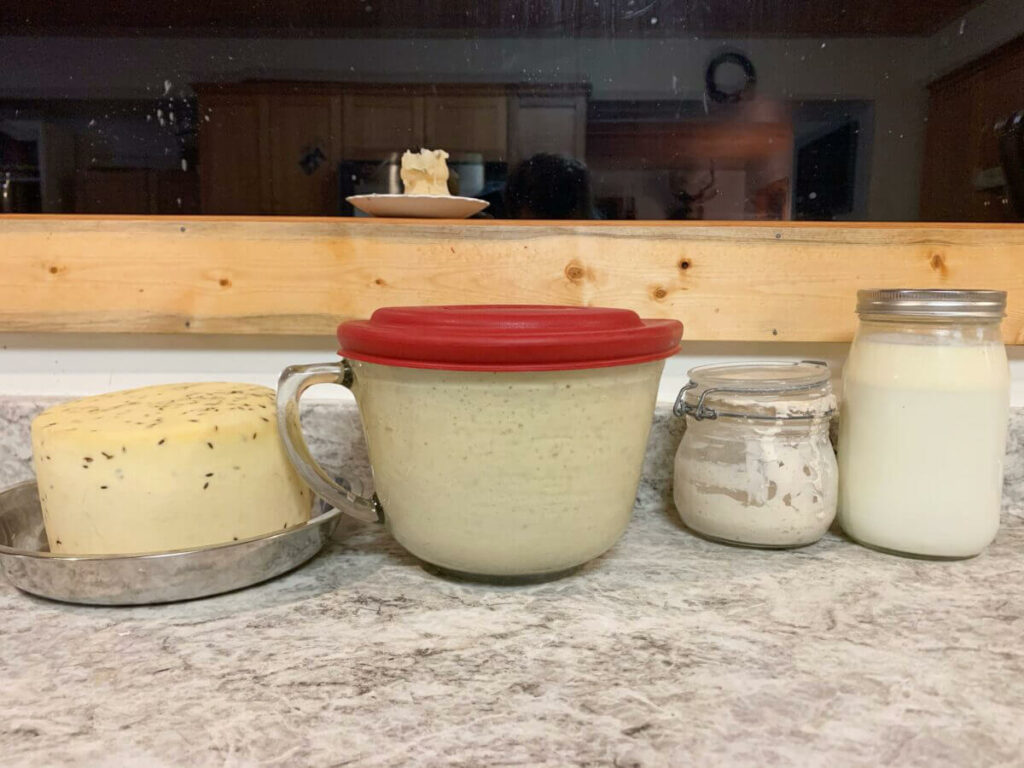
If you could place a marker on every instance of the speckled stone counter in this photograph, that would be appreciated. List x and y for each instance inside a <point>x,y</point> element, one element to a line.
<point>668,651</point>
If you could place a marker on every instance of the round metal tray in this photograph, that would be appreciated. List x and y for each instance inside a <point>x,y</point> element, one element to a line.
<point>161,577</point>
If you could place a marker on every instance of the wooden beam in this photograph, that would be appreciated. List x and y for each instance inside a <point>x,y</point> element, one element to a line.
<point>241,275</point>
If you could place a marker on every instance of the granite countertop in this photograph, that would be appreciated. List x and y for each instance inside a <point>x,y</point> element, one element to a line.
<point>668,651</point>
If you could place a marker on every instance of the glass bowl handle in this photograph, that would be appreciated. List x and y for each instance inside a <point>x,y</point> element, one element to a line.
<point>295,380</point>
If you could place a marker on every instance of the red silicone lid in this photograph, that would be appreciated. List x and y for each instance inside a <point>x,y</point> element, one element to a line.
<point>508,338</point>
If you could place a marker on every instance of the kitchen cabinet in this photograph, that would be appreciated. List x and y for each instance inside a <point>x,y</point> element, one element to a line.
<point>269,153</point>
<point>961,147</point>
<point>106,190</point>
<point>379,124</point>
<point>468,124</point>
<point>274,147</point>
<point>556,124</point>
<point>233,147</point>
<point>305,146</point>
<point>173,192</point>
<point>136,191</point>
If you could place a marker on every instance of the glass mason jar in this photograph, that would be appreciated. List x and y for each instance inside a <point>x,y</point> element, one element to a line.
<point>925,406</point>
<point>755,466</point>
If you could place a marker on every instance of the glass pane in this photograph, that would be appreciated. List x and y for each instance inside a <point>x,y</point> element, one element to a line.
<point>614,109</point>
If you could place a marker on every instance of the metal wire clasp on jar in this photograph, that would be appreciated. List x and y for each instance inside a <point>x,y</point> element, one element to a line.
<point>755,466</point>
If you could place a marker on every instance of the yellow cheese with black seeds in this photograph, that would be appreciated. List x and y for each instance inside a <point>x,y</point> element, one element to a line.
<point>164,468</point>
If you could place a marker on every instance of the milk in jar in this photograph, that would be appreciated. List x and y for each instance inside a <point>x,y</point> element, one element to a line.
<point>925,405</point>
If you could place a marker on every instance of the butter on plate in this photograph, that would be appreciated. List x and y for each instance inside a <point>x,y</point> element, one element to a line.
<point>425,172</point>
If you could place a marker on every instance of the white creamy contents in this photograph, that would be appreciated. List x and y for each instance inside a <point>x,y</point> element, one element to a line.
<point>162,468</point>
<point>772,486</point>
<point>922,442</point>
<point>507,474</point>
<point>425,172</point>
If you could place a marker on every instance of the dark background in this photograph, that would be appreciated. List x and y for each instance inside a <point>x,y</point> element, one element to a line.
<point>860,110</point>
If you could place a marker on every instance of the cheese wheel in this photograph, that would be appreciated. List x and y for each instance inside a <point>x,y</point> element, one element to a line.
<point>163,468</point>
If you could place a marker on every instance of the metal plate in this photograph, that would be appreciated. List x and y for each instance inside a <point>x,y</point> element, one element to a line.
<point>151,578</point>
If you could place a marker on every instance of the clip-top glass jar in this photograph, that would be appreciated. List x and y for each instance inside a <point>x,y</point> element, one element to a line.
<point>922,432</point>
<point>755,466</point>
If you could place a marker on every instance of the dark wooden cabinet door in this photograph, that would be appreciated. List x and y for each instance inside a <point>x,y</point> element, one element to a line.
<point>305,147</point>
<point>468,124</point>
<point>378,124</point>
<point>961,146</point>
<point>232,142</point>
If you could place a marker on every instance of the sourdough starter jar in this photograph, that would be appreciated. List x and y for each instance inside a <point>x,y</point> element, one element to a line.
<point>755,466</point>
<point>923,424</point>
<point>506,442</point>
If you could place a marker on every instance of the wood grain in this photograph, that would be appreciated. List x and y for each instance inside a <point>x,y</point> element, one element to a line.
<point>241,275</point>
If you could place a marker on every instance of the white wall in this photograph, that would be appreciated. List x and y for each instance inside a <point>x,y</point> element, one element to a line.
<point>41,365</point>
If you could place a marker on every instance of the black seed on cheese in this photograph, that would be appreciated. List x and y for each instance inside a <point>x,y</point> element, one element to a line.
<point>234,538</point>
<point>210,445</point>
<point>124,449</point>
<point>162,441</point>
<point>107,455</point>
<point>88,458</point>
<point>209,474</point>
<point>206,485</point>
<point>103,487</point>
<point>253,435</point>
<point>265,419</point>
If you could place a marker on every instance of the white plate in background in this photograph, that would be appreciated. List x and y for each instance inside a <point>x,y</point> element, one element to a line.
<point>418,206</point>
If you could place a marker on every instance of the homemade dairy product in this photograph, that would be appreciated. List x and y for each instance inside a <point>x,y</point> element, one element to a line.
<point>755,465</point>
<point>425,172</point>
<point>922,442</point>
<point>163,468</point>
<point>496,473</point>
<point>768,486</point>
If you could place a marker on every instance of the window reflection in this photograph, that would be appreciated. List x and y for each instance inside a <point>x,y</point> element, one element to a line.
<point>724,111</point>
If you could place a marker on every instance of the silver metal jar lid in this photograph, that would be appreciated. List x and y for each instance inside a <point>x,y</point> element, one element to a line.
<point>932,303</point>
<point>777,391</point>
